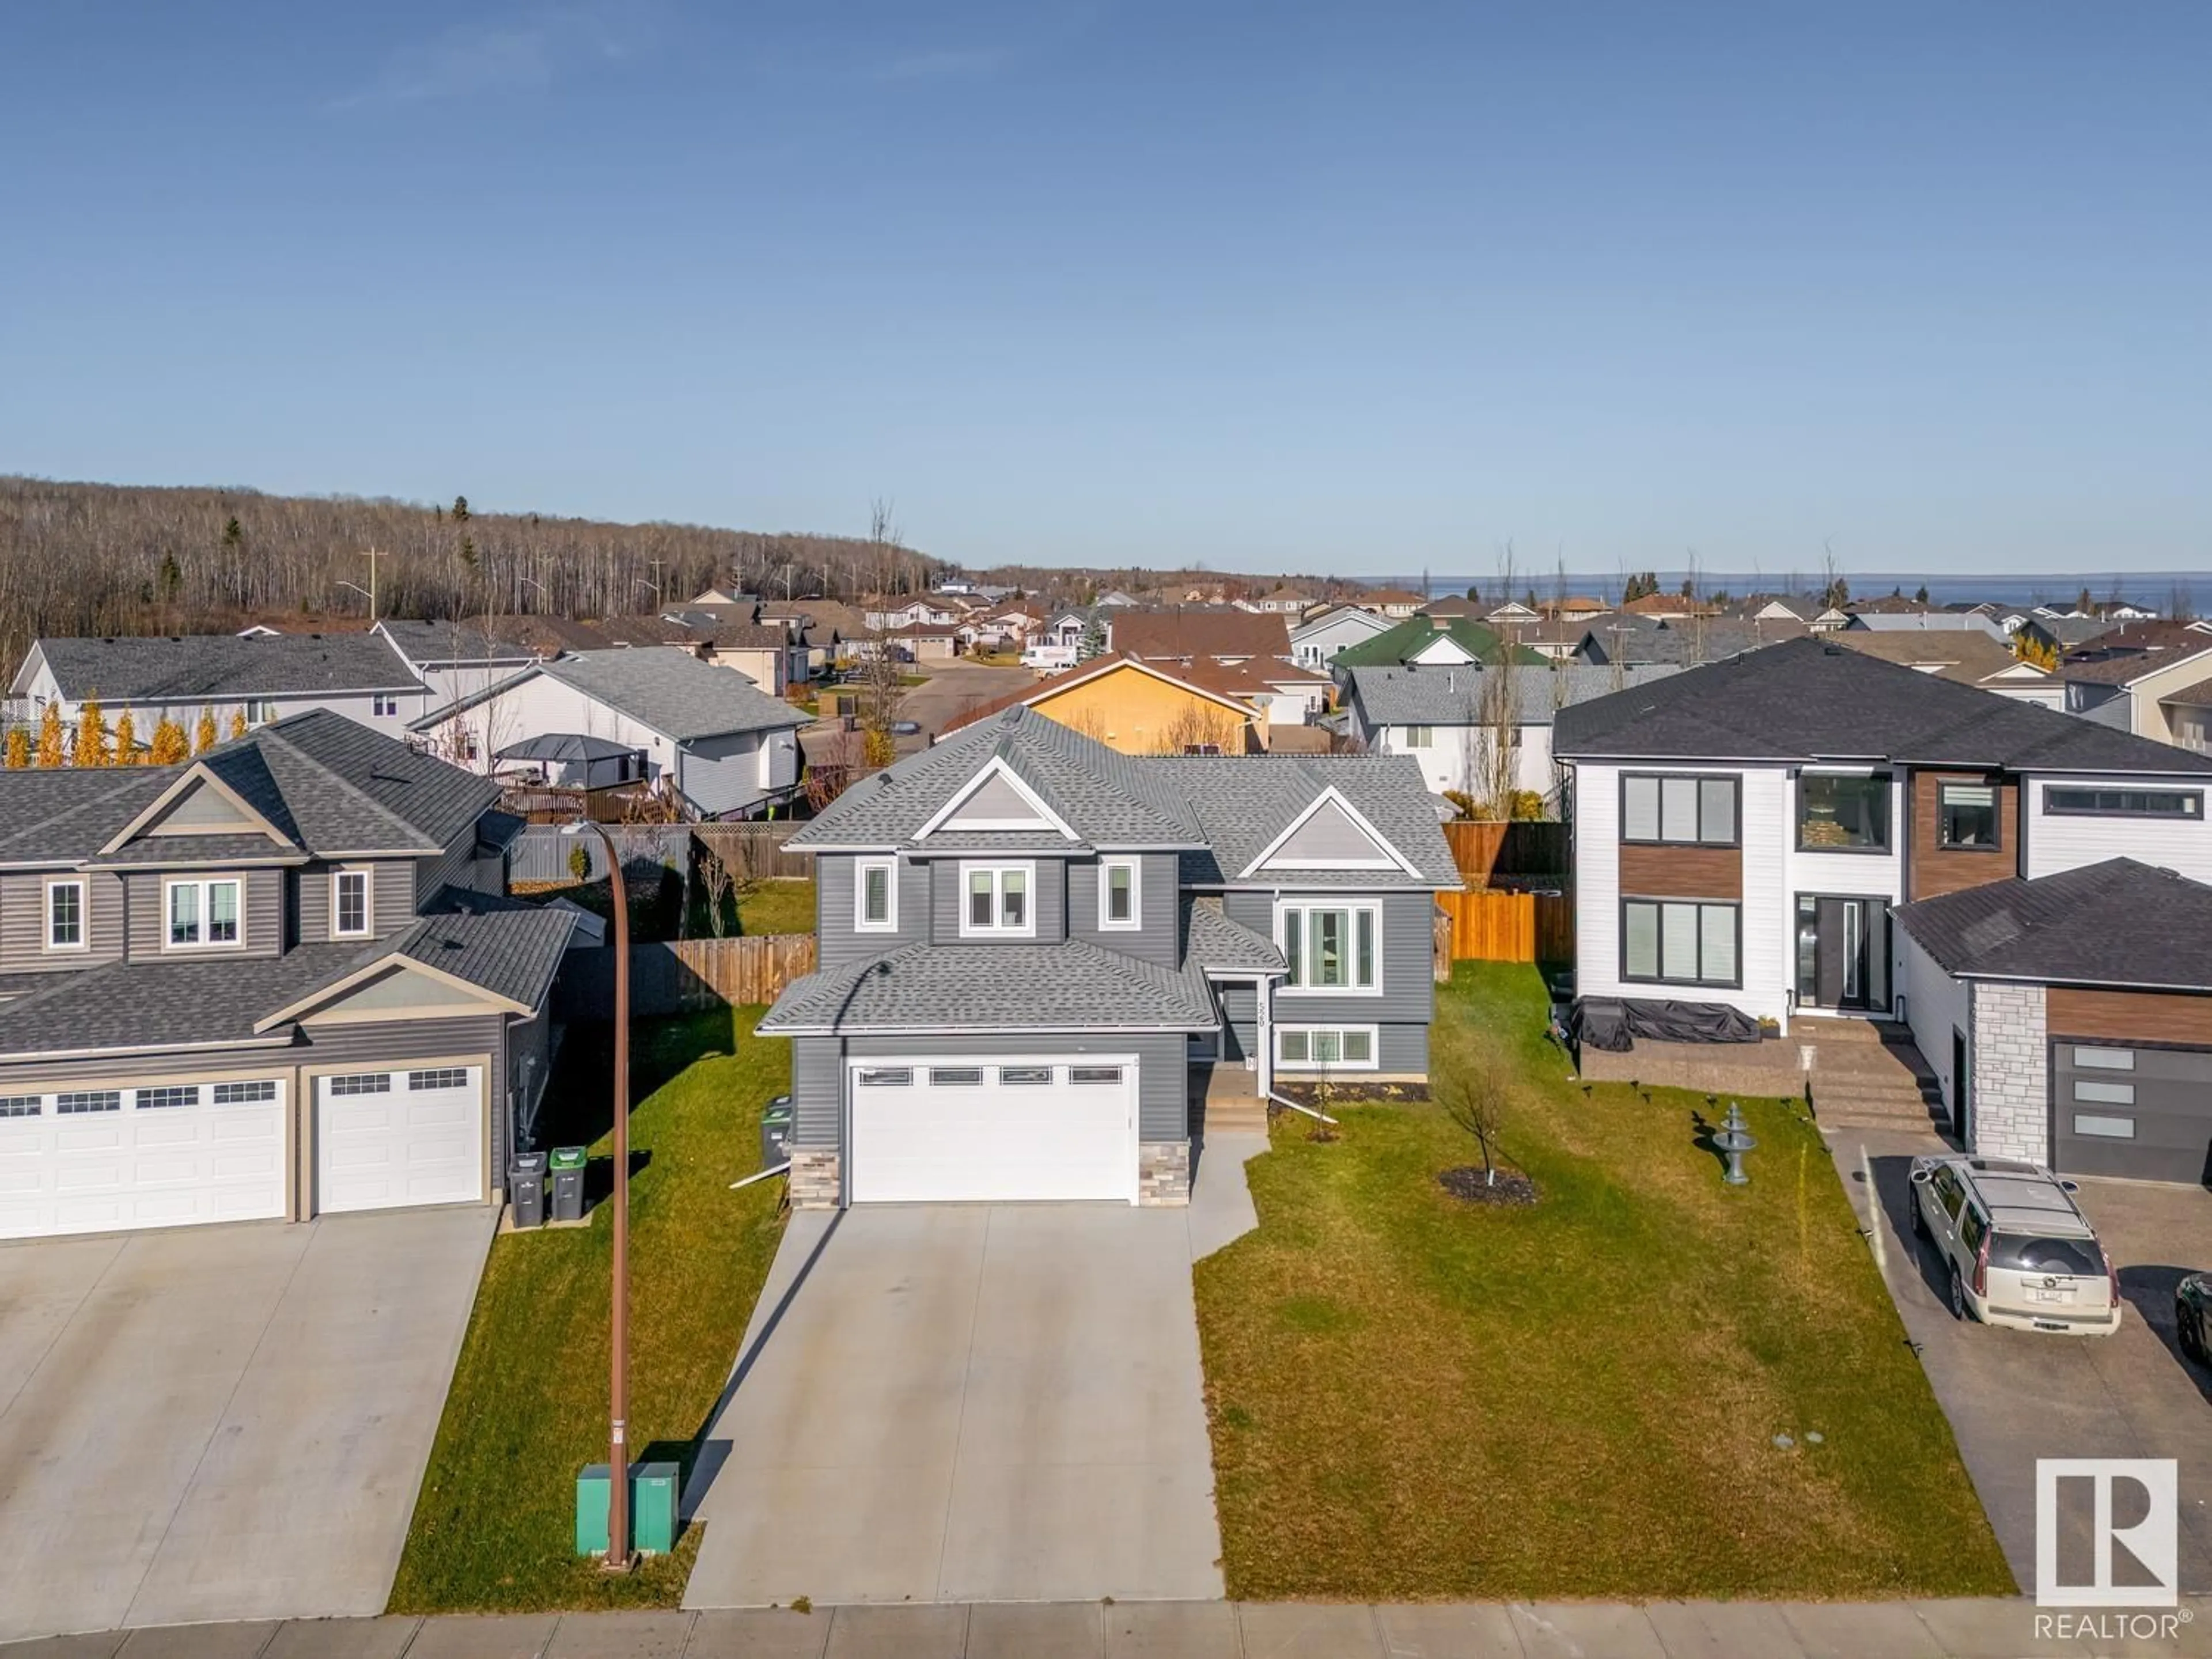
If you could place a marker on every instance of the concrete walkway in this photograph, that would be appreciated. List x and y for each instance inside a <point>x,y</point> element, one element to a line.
<point>1221,1210</point>
<point>1201,1630</point>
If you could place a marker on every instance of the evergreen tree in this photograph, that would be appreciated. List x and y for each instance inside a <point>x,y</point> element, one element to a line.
<point>171,581</point>
<point>1920,597</point>
<point>234,535</point>
<point>126,740</point>
<point>19,748</point>
<point>203,736</point>
<point>238,724</point>
<point>460,509</point>
<point>52,738</point>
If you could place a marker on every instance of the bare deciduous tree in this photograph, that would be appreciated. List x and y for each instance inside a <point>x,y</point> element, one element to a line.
<point>715,880</point>
<point>1467,1081</point>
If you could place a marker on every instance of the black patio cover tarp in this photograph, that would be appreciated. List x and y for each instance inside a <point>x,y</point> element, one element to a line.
<point>1612,1023</point>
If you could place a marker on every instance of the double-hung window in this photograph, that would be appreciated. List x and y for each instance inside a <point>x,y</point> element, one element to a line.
<point>1677,810</point>
<point>996,900</point>
<point>1330,947</point>
<point>65,915</point>
<point>349,904</point>
<point>384,705</point>
<point>204,914</point>
<point>1680,942</point>
<point>875,895</point>
<point>1117,893</point>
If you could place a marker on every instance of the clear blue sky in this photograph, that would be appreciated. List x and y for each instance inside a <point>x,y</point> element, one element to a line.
<point>1349,288</point>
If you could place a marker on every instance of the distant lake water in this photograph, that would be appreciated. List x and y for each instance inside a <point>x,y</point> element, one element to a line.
<point>2151,589</point>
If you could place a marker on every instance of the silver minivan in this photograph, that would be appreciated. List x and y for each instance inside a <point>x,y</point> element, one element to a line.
<point>2015,1247</point>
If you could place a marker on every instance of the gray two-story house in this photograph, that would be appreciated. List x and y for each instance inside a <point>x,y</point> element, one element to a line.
<point>279,981</point>
<point>1037,952</point>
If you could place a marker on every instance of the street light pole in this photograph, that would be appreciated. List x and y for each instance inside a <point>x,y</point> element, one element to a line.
<point>619,1559</point>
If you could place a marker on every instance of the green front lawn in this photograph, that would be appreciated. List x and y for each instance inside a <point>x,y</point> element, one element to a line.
<point>494,1528</point>
<point>1411,1397</point>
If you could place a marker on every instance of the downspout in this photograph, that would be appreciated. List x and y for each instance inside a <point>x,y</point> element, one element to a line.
<point>1263,1032</point>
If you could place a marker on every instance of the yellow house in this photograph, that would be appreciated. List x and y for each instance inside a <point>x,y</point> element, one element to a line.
<point>1139,709</point>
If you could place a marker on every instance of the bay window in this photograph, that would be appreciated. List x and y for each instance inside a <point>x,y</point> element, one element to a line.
<point>1330,947</point>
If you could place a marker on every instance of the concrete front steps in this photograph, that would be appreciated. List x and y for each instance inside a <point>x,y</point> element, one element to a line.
<point>1867,1074</point>
<point>1229,1115</point>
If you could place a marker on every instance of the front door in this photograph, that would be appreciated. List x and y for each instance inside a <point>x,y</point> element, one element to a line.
<point>1843,952</point>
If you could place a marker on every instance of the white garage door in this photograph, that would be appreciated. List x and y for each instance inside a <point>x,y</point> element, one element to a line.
<point>159,1155</point>
<point>993,1131</point>
<point>388,1139</point>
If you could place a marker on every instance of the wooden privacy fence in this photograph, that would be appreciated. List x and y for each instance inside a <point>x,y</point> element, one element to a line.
<point>755,851</point>
<point>1491,925</point>
<point>686,976</point>
<point>1487,849</point>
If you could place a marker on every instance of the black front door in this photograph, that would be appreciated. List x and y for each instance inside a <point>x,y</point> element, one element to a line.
<point>1841,953</point>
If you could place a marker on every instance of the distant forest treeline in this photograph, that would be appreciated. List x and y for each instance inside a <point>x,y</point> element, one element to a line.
<point>99,559</point>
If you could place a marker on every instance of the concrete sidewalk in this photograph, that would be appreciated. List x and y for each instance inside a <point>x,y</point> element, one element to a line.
<point>1201,1630</point>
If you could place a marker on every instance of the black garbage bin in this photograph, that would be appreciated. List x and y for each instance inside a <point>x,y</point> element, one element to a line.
<point>568,1183</point>
<point>775,1132</point>
<point>526,1189</point>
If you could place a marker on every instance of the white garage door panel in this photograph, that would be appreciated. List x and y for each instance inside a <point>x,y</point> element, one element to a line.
<point>407,1145</point>
<point>994,1143</point>
<point>168,1166</point>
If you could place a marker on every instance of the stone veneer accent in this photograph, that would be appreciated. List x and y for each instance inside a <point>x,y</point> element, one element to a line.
<point>815,1183</point>
<point>2011,1065</point>
<point>1164,1172</point>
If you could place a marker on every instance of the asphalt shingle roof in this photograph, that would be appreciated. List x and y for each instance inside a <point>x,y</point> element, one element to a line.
<point>180,668</point>
<point>1393,645</point>
<point>1200,631</point>
<point>673,692</point>
<point>1070,985</point>
<point>2119,922</point>
<point>1212,940</point>
<point>1244,802</point>
<point>451,642</point>
<point>1809,699</point>
<point>1440,696</point>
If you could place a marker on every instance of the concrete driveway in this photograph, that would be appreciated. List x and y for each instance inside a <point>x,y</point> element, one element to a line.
<point>956,687</point>
<point>222,1423</point>
<point>2014,1396</point>
<point>954,1403</point>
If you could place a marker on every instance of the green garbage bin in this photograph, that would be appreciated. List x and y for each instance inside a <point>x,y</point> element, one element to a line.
<point>651,1509</point>
<point>567,1164</point>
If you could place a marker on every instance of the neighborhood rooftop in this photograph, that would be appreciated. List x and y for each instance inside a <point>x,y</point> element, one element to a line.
<point>184,668</point>
<point>1812,700</point>
<point>1448,695</point>
<point>2119,922</point>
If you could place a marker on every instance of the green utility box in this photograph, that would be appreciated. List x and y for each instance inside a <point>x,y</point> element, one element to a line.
<point>651,1509</point>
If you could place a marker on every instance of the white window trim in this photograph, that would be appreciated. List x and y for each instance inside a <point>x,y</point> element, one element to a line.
<point>206,884</point>
<point>1372,1063</point>
<point>1284,988</point>
<point>83,918</point>
<point>861,922</point>
<point>367,928</point>
<point>1136,869</point>
<point>998,868</point>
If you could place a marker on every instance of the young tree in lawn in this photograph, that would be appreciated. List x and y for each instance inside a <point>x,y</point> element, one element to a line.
<point>1467,1081</point>
<point>53,738</point>
<point>715,879</point>
<point>204,733</point>
<point>92,739</point>
<point>170,745</point>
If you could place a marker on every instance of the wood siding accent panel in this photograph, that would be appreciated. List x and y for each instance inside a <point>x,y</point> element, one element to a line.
<point>2128,1016</point>
<point>1931,869</point>
<point>1704,872</point>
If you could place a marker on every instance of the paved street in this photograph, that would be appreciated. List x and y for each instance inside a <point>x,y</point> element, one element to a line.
<point>1196,1630</point>
<point>956,687</point>
<point>2014,1396</point>
<point>222,1422</point>
<point>954,1402</point>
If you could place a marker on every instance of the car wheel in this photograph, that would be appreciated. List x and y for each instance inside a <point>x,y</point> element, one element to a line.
<point>1959,1309</point>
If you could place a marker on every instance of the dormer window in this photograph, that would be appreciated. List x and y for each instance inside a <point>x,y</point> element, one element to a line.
<point>349,904</point>
<point>203,914</point>
<point>997,901</point>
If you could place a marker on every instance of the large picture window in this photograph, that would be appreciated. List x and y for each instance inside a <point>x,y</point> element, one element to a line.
<point>203,914</point>
<point>2123,803</point>
<point>1843,812</point>
<point>1680,942</point>
<point>1678,810</point>
<point>1330,947</point>
<point>1966,816</point>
